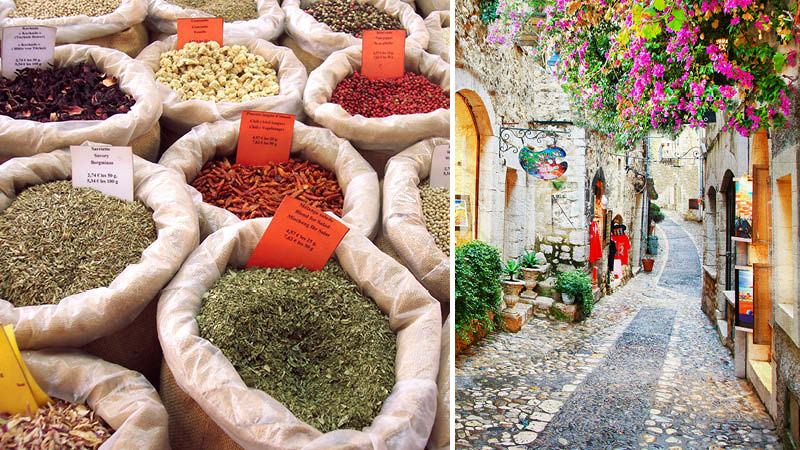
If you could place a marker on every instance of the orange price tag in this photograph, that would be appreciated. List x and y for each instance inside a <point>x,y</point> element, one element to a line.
<point>298,235</point>
<point>200,29</point>
<point>264,137</point>
<point>383,54</point>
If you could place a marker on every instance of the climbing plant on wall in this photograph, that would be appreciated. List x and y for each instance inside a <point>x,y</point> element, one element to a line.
<point>631,66</point>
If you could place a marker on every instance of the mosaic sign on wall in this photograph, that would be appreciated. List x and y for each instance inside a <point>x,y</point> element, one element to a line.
<point>744,297</point>
<point>543,164</point>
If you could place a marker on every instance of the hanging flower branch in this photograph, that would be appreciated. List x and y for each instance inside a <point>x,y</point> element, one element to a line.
<point>631,67</point>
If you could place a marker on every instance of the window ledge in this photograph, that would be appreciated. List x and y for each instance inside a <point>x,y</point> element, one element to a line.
<point>711,271</point>
<point>731,297</point>
<point>784,318</point>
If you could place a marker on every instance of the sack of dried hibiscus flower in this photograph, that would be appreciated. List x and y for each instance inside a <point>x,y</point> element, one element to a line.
<point>330,172</point>
<point>95,404</point>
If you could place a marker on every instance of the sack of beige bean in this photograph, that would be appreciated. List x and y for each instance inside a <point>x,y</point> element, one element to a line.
<point>137,128</point>
<point>391,134</point>
<point>80,267</point>
<point>390,402</point>
<point>244,19</point>
<point>438,23</point>
<point>86,390</point>
<point>321,28</point>
<point>258,76</point>
<point>416,216</point>
<point>211,141</point>
<point>113,24</point>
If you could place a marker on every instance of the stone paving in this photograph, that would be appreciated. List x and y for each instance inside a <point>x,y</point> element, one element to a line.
<point>645,371</point>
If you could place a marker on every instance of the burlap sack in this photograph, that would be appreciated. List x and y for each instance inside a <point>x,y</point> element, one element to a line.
<point>123,398</point>
<point>437,44</point>
<point>81,318</point>
<point>75,29</point>
<point>390,134</point>
<point>310,62</point>
<point>251,417</point>
<point>404,223</point>
<point>27,137</point>
<point>130,41</point>
<point>440,435</point>
<point>162,17</point>
<point>318,39</point>
<point>358,180</point>
<point>180,115</point>
<point>426,7</point>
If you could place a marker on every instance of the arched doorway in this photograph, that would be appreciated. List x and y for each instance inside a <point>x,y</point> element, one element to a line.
<point>728,191</point>
<point>711,248</point>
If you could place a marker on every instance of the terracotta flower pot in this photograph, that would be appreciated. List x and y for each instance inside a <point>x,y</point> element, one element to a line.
<point>647,264</point>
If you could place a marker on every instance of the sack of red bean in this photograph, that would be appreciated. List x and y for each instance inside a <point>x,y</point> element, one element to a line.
<point>95,94</point>
<point>324,171</point>
<point>244,19</point>
<point>418,234</point>
<point>382,115</point>
<point>325,26</point>
<point>113,24</point>
<point>206,82</point>
<point>74,270</point>
<point>438,23</point>
<point>202,385</point>
<point>95,404</point>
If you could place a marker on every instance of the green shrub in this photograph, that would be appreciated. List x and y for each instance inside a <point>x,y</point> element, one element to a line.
<point>655,213</point>
<point>577,284</point>
<point>478,288</point>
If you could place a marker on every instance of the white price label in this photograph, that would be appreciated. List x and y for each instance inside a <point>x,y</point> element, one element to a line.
<point>26,46</point>
<point>105,168</point>
<point>440,167</point>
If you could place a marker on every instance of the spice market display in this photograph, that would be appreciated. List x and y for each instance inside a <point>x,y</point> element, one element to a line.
<point>142,319</point>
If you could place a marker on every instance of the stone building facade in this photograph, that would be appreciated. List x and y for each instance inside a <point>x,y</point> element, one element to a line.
<point>677,173</point>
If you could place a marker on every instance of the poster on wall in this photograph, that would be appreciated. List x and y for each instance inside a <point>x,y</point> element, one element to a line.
<point>544,164</point>
<point>743,222</point>
<point>744,297</point>
<point>461,213</point>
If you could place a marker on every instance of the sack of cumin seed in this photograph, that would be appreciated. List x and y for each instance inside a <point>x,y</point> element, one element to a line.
<point>162,18</point>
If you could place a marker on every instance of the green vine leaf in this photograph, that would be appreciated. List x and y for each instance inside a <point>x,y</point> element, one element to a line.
<point>660,5</point>
<point>778,61</point>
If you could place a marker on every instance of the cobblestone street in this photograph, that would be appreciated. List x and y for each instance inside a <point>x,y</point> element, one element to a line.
<point>645,371</point>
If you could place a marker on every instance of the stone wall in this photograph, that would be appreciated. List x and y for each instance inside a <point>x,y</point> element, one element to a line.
<point>675,173</point>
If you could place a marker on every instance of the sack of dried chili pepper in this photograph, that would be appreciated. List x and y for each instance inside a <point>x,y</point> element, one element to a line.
<point>263,19</point>
<point>197,157</point>
<point>188,104</point>
<point>88,386</point>
<point>319,39</point>
<point>207,399</point>
<point>388,115</point>
<point>122,76</point>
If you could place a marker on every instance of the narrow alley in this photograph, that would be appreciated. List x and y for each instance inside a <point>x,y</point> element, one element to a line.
<point>645,371</point>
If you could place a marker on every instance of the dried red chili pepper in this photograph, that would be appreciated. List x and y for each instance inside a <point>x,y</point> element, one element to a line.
<point>257,191</point>
<point>410,94</point>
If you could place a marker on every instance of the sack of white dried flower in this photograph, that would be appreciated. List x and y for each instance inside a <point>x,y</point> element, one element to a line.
<point>390,134</point>
<point>438,23</point>
<point>320,40</point>
<point>404,219</point>
<point>135,128</point>
<point>122,398</point>
<point>113,24</point>
<point>210,405</point>
<point>359,182</point>
<point>187,105</point>
<point>426,7</point>
<point>245,19</point>
<point>91,316</point>
<point>440,435</point>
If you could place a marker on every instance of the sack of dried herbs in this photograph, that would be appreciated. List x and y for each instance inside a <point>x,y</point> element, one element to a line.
<point>181,115</point>
<point>390,134</point>
<point>20,137</point>
<point>404,220</point>
<point>320,40</point>
<point>440,435</point>
<point>244,19</point>
<point>426,7</point>
<point>122,398</point>
<point>357,179</point>
<point>252,418</point>
<point>438,23</point>
<point>84,317</point>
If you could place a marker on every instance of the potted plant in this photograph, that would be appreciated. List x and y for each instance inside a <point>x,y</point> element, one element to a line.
<point>573,285</point>
<point>511,287</point>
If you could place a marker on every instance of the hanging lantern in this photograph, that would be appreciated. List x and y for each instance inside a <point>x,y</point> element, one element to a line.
<point>722,45</point>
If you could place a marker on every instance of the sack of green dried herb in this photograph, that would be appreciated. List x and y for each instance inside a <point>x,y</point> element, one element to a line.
<point>355,176</point>
<point>404,221</point>
<point>390,134</point>
<point>319,39</point>
<point>426,7</point>
<point>181,115</point>
<point>83,317</point>
<point>122,398</point>
<point>244,19</point>
<point>440,435</point>
<point>251,417</point>
<point>438,23</point>
<point>19,137</point>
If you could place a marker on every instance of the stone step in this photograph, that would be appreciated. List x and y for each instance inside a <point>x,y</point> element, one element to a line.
<point>515,318</point>
<point>543,304</point>
<point>528,297</point>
